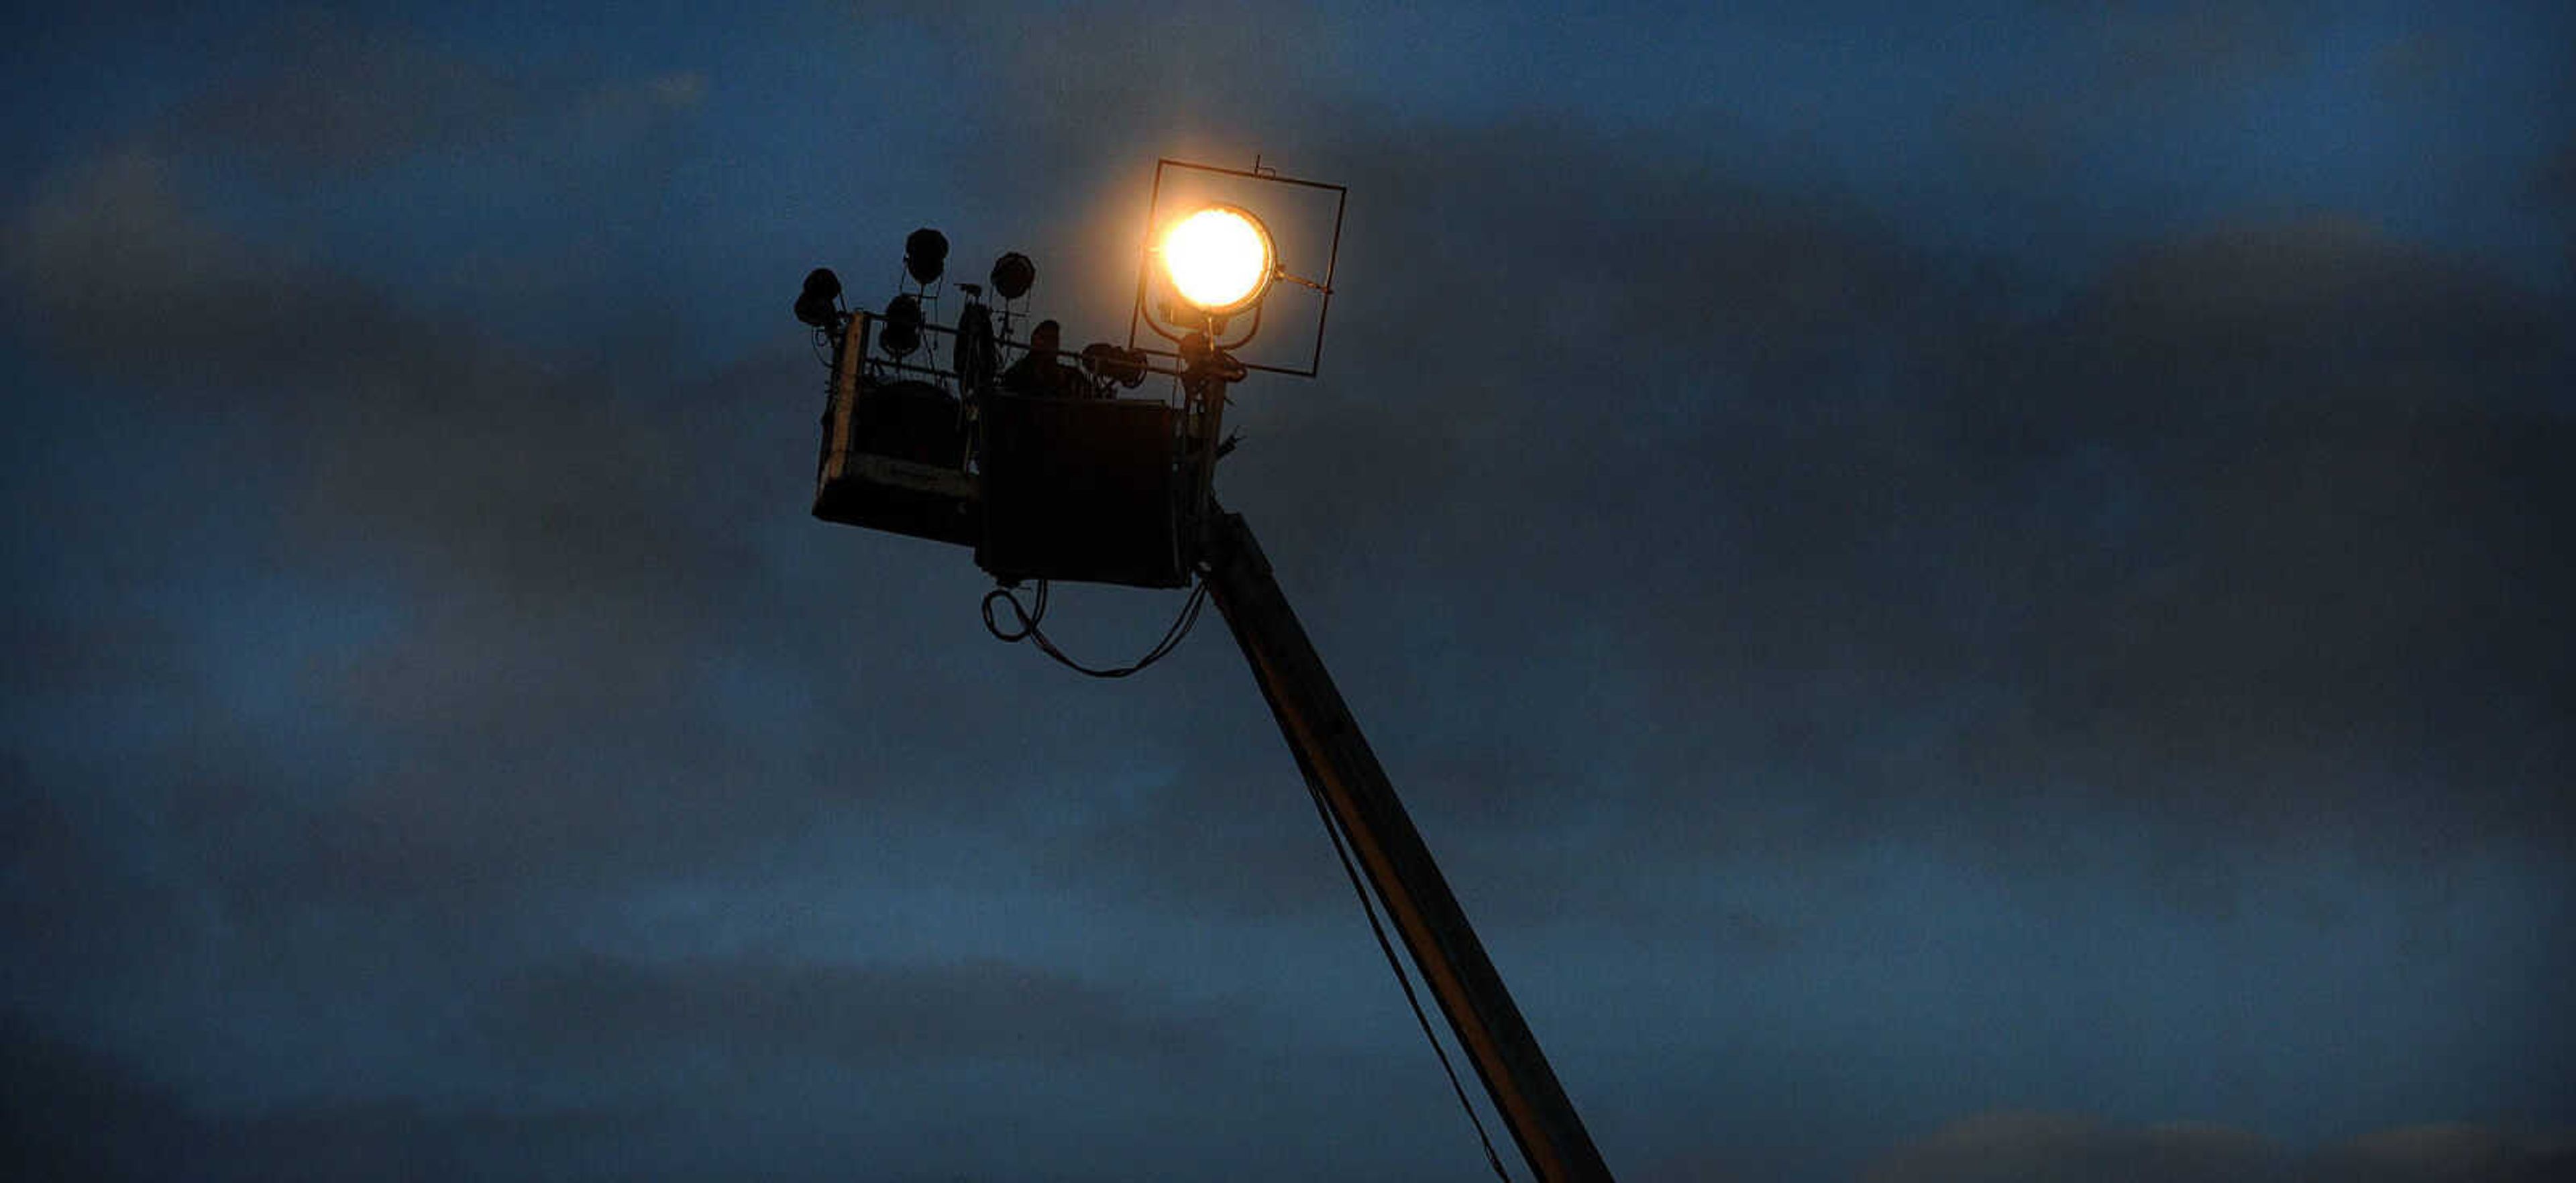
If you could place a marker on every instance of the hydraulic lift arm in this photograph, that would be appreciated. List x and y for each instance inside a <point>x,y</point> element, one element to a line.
<point>1337,763</point>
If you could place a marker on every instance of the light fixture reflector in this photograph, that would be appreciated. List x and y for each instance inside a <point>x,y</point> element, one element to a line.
<point>1219,259</point>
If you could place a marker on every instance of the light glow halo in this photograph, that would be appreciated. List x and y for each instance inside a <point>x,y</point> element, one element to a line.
<point>1219,259</point>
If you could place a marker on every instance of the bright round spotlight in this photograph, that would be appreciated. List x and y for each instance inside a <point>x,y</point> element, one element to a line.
<point>1219,259</point>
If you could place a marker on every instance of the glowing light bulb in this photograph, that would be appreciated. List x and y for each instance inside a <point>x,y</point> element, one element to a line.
<point>1219,259</point>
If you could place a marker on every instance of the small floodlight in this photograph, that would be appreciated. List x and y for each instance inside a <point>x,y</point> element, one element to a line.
<point>818,304</point>
<point>1115,363</point>
<point>1012,275</point>
<point>902,332</point>
<point>925,255</point>
<point>1219,259</point>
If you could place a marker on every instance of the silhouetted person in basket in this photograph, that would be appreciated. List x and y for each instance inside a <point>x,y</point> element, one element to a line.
<point>1041,372</point>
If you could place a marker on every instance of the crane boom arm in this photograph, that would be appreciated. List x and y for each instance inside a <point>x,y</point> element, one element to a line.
<point>1338,764</point>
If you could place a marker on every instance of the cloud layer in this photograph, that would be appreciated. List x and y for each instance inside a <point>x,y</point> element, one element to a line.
<point>1815,626</point>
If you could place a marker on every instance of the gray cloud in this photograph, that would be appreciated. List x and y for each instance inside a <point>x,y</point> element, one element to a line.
<point>2200,43</point>
<point>2026,1147</point>
<point>72,1113</point>
<point>2229,543</point>
<point>2039,1146</point>
<point>2108,520</point>
<point>324,95</point>
<point>2552,183</point>
<point>870,1016</point>
<point>2451,1152</point>
<point>358,97</point>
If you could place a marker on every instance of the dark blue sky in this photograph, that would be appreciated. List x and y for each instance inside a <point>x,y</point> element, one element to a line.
<point>1968,592</point>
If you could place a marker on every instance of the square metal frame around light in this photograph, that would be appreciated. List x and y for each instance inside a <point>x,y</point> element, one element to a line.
<point>1145,255</point>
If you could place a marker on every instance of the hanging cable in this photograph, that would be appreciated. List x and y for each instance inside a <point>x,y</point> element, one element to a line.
<point>1026,621</point>
<point>1369,909</point>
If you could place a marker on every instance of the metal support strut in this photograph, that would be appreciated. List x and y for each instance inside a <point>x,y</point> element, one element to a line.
<point>1337,763</point>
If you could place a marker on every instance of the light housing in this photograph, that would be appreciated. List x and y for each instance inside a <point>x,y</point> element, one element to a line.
<point>925,255</point>
<point>899,332</point>
<point>1218,258</point>
<point>1301,221</point>
<point>1012,275</point>
<point>819,304</point>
